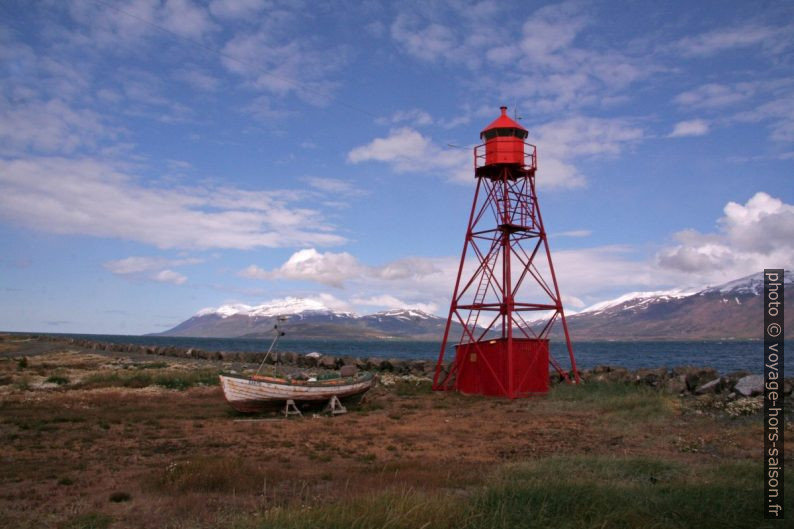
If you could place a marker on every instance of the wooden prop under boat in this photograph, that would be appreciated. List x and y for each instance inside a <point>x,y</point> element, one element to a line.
<point>257,393</point>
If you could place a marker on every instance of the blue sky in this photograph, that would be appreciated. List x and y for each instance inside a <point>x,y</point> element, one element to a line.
<point>160,157</point>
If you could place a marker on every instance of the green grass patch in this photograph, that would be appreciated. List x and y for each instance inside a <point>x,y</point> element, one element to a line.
<point>412,388</point>
<point>151,365</point>
<point>583,492</point>
<point>561,492</point>
<point>618,399</point>
<point>166,378</point>
<point>57,379</point>
<point>402,509</point>
<point>92,520</point>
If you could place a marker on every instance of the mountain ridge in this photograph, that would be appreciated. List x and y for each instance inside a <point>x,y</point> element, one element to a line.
<point>731,310</point>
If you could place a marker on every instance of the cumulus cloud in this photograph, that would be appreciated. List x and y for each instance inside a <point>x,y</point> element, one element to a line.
<point>419,282</point>
<point>334,269</point>
<point>169,276</point>
<point>150,268</point>
<point>90,197</point>
<point>327,268</point>
<point>390,302</point>
<point>753,236</point>
<point>407,150</point>
<point>561,142</point>
<point>694,127</point>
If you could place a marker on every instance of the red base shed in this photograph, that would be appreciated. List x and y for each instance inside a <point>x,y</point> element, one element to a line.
<point>485,368</point>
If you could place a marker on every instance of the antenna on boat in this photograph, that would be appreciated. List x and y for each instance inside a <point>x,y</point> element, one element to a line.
<point>279,333</point>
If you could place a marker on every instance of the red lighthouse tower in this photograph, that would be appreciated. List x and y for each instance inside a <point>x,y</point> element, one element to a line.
<point>506,297</point>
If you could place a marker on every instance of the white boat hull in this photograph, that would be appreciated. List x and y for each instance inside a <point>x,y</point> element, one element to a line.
<point>246,394</point>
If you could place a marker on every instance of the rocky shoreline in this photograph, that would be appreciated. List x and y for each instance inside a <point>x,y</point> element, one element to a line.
<point>682,380</point>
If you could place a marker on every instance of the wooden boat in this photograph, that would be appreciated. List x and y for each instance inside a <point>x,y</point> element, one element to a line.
<point>256,393</point>
<point>261,392</point>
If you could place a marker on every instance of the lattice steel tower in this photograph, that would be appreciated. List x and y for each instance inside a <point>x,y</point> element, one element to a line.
<point>505,276</point>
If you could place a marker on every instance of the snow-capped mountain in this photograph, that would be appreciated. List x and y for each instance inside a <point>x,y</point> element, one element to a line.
<point>279,307</point>
<point>729,310</point>
<point>634,300</point>
<point>308,318</point>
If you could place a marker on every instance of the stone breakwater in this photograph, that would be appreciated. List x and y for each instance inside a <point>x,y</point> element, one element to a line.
<point>676,380</point>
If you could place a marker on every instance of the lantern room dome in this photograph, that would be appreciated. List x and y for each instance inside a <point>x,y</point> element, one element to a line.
<point>503,126</point>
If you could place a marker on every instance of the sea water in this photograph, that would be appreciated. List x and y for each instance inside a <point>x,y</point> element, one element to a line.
<point>725,356</point>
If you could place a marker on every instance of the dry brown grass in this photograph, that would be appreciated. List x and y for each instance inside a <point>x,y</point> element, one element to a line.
<point>186,461</point>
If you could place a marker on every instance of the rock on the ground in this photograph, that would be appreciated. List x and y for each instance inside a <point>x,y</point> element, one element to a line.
<point>327,361</point>
<point>750,385</point>
<point>713,386</point>
<point>675,384</point>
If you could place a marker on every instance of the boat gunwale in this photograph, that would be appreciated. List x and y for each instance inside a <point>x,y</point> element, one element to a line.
<point>359,378</point>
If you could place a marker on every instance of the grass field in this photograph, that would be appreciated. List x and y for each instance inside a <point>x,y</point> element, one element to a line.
<point>107,441</point>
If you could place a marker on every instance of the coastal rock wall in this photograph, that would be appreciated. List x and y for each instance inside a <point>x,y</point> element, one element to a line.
<point>677,380</point>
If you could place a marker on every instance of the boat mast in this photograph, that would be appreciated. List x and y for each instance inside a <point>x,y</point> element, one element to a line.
<point>279,333</point>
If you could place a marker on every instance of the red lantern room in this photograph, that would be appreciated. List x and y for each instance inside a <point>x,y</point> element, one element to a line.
<point>504,141</point>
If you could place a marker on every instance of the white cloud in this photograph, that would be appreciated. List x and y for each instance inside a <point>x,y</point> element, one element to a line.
<point>550,30</point>
<point>48,126</point>
<point>133,24</point>
<point>693,127</point>
<point>276,62</point>
<point>389,302</point>
<point>90,197</point>
<point>414,281</point>
<point>551,73</point>
<point>778,110</point>
<point>414,117</point>
<point>335,269</point>
<point>573,233</point>
<point>236,9</point>
<point>150,268</point>
<point>407,150</point>
<point>427,42</point>
<point>198,78</point>
<point>753,236</point>
<point>327,268</point>
<point>185,18</point>
<point>169,276</point>
<point>725,39</point>
<point>714,95</point>
<point>561,142</point>
<point>137,265</point>
<point>335,186</point>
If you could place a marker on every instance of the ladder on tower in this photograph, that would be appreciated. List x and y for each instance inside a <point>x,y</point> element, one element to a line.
<point>479,298</point>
